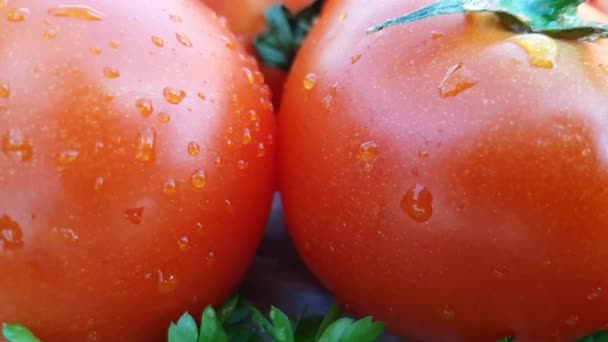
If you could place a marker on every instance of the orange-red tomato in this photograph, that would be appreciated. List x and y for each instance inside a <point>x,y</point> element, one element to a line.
<point>136,165</point>
<point>448,176</point>
<point>246,19</point>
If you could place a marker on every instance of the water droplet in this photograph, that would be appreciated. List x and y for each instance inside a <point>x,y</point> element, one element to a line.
<point>145,107</point>
<point>99,181</point>
<point>417,203</point>
<point>199,179</point>
<point>354,59</point>
<point>175,18</point>
<point>447,314</point>
<point>16,144</point>
<point>259,77</point>
<point>242,164</point>
<point>110,72</point>
<point>248,76</point>
<point>146,145</point>
<point>67,157</point>
<point>158,41</point>
<point>436,35</point>
<point>114,45</point>
<point>3,3</point>
<point>5,90</point>
<point>134,215</point>
<point>541,49</point>
<point>67,233</point>
<point>595,294</point>
<point>167,282</point>
<point>423,154</point>
<point>201,96</point>
<point>193,149</point>
<point>163,118</point>
<point>95,50</point>
<point>170,187</point>
<point>228,42</point>
<point>11,234</point>
<point>76,12</point>
<point>183,39</point>
<point>173,96</point>
<point>342,16</point>
<point>50,33</point>
<point>247,136</point>
<point>270,139</point>
<point>328,101</point>
<point>183,243</point>
<point>456,80</point>
<point>309,81</point>
<point>572,320</point>
<point>368,152</point>
<point>261,151</point>
<point>217,162</point>
<point>17,15</point>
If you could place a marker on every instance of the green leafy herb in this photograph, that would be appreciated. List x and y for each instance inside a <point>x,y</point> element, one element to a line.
<point>278,46</point>
<point>18,333</point>
<point>557,18</point>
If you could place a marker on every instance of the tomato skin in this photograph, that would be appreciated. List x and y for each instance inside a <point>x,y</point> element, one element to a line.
<point>468,216</point>
<point>246,19</point>
<point>114,221</point>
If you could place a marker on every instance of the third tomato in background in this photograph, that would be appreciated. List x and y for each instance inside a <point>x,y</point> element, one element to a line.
<point>246,19</point>
<point>449,176</point>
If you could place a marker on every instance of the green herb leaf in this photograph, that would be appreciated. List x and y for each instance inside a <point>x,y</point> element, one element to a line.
<point>334,313</point>
<point>307,329</point>
<point>185,330</point>
<point>211,328</point>
<point>18,333</point>
<point>346,329</point>
<point>278,46</point>
<point>601,336</point>
<point>261,321</point>
<point>282,330</point>
<point>557,18</point>
<point>507,339</point>
<point>228,308</point>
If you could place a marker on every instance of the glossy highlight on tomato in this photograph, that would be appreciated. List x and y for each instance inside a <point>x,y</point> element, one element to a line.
<point>136,165</point>
<point>448,176</point>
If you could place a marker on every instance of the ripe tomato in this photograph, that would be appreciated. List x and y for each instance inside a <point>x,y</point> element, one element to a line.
<point>449,176</point>
<point>136,165</point>
<point>246,19</point>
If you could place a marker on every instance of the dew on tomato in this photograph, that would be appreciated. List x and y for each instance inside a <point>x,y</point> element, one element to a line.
<point>146,145</point>
<point>17,144</point>
<point>170,187</point>
<point>145,107</point>
<point>174,96</point>
<point>309,81</point>
<point>193,149</point>
<point>183,39</point>
<point>76,12</point>
<point>198,179</point>
<point>11,234</point>
<point>368,151</point>
<point>134,215</point>
<point>67,157</point>
<point>542,50</point>
<point>417,203</point>
<point>158,41</point>
<point>17,15</point>
<point>111,73</point>
<point>5,90</point>
<point>457,80</point>
<point>247,138</point>
<point>183,243</point>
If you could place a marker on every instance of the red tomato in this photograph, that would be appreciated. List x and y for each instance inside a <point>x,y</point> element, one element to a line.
<point>246,19</point>
<point>448,176</point>
<point>136,165</point>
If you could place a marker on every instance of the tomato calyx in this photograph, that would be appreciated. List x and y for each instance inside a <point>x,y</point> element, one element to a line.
<point>277,47</point>
<point>556,18</point>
